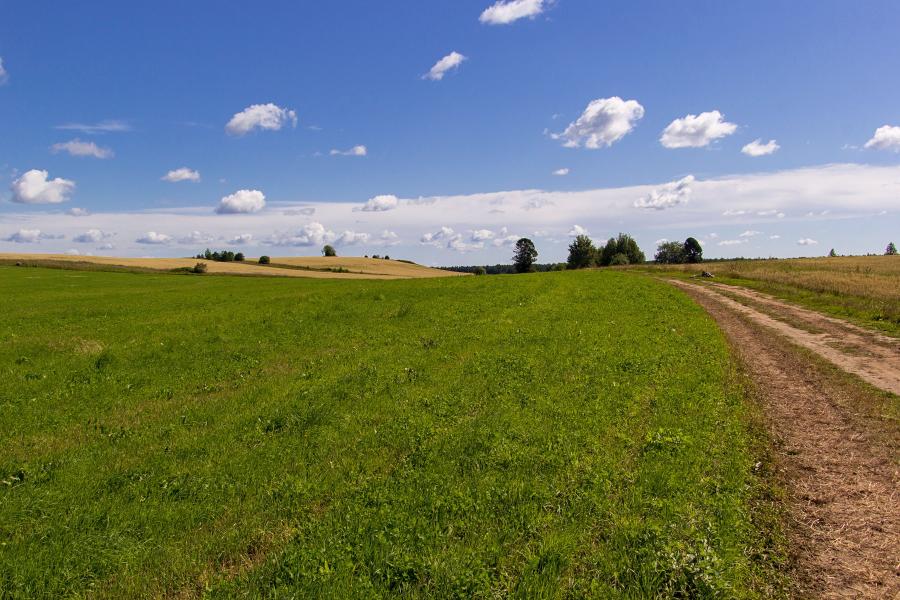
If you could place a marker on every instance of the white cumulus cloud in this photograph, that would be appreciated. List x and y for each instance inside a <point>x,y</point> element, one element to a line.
<point>31,236</point>
<point>667,196</point>
<point>354,151</point>
<point>440,68</point>
<point>196,237</point>
<point>439,237</point>
<point>34,187</point>
<point>91,236</point>
<point>504,12</point>
<point>270,117</point>
<point>311,234</point>
<point>242,239</point>
<point>380,203</point>
<point>181,174</point>
<point>388,238</point>
<point>348,238</point>
<point>696,131</point>
<point>886,137</point>
<point>78,148</point>
<point>152,237</point>
<point>577,230</point>
<point>757,148</point>
<point>604,122</point>
<point>561,172</point>
<point>242,201</point>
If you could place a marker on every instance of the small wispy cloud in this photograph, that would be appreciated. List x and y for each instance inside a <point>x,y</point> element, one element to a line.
<point>505,12</point>
<point>107,126</point>
<point>441,67</point>
<point>182,174</point>
<point>354,151</point>
<point>757,148</point>
<point>78,148</point>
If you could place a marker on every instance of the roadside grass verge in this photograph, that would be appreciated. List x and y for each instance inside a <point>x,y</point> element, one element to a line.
<point>564,434</point>
<point>861,289</point>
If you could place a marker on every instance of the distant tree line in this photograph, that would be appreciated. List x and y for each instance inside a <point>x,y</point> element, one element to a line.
<point>503,269</point>
<point>620,250</point>
<point>221,256</point>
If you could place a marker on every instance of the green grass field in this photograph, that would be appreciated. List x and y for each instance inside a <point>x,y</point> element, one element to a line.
<point>555,435</point>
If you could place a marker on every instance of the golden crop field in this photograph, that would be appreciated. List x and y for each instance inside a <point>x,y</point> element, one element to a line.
<point>316,267</point>
<point>355,264</point>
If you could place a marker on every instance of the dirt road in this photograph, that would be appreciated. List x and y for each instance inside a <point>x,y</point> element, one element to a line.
<point>837,455</point>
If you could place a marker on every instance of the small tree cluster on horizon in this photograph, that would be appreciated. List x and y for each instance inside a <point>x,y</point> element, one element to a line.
<point>676,253</point>
<point>222,256</point>
<point>620,250</point>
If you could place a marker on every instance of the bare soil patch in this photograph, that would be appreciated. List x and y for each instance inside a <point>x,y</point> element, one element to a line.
<point>837,455</point>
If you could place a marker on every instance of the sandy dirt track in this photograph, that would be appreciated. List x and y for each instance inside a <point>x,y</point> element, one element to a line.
<point>837,459</point>
<point>358,268</point>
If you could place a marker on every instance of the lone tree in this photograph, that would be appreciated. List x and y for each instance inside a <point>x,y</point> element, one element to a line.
<point>670,253</point>
<point>524,257</point>
<point>693,251</point>
<point>581,253</point>
<point>832,254</point>
<point>891,250</point>
<point>264,260</point>
<point>328,250</point>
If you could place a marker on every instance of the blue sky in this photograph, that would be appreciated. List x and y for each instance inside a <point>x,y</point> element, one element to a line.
<point>466,163</point>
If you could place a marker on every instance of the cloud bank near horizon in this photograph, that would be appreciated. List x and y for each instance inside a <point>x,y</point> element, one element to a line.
<point>791,204</point>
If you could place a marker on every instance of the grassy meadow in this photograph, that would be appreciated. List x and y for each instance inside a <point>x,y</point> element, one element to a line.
<point>865,289</point>
<point>575,434</point>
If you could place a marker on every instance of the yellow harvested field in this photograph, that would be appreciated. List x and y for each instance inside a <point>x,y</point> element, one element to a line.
<point>375,266</point>
<point>315,267</point>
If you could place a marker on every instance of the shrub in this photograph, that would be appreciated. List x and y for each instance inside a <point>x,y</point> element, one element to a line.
<point>618,260</point>
<point>264,260</point>
<point>479,271</point>
<point>199,268</point>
